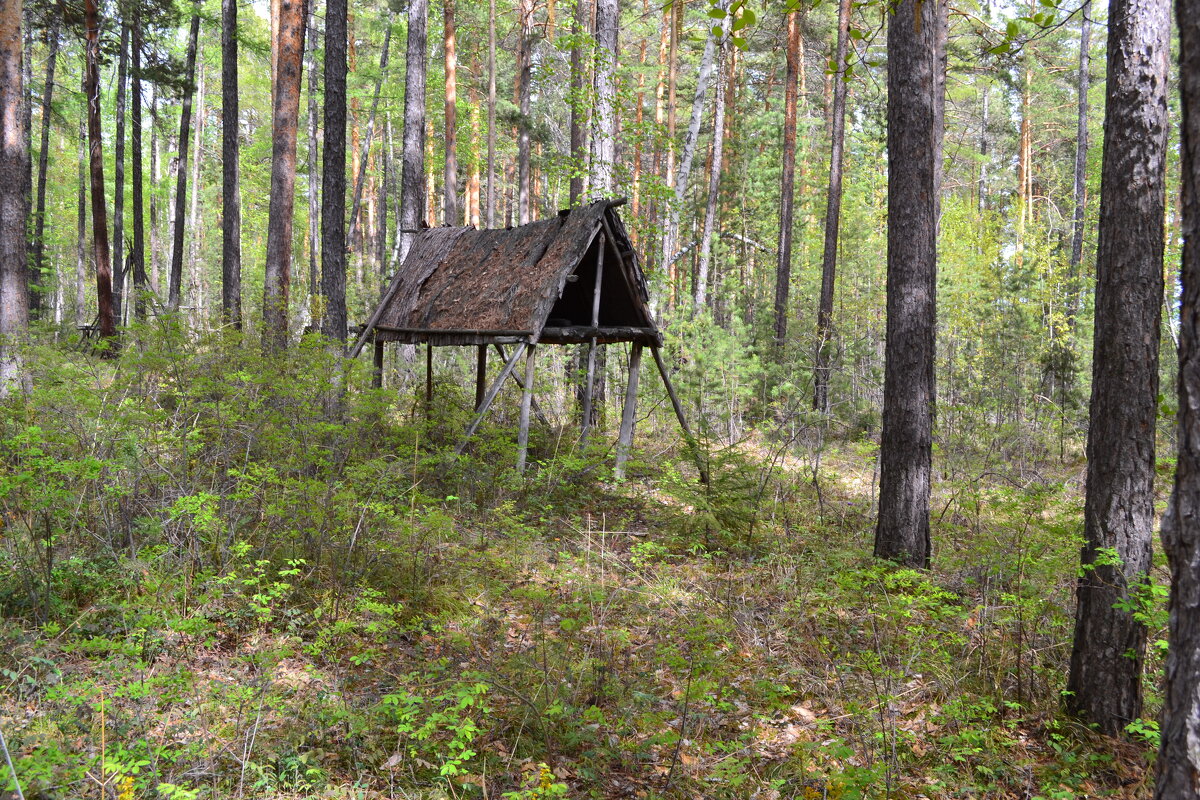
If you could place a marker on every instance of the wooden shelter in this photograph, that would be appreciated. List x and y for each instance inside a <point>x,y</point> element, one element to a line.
<point>567,280</point>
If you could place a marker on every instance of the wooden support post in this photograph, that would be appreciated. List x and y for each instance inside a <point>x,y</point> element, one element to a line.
<point>526,400</point>
<point>428,379</point>
<point>490,397</point>
<point>377,376</point>
<point>591,364</point>
<point>537,410</point>
<point>625,438</point>
<point>480,375</point>
<point>687,430</point>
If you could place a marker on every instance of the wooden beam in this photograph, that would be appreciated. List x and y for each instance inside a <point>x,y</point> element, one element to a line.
<point>490,397</point>
<point>526,401</point>
<point>480,375</point>
<point>428,380</point>
<point>377,375</point>
<point>591,363</point>
<point>683,423</point>
<point>625,437</point>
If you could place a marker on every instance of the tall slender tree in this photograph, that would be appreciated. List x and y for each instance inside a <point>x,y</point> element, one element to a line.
<point>119,178</point>
<point>1178,763</point>
<point>450,172</point>
<point>578,110</point>
<point>412,168</point>
<point>700,296</point>
<point>333,178</point>
<point>787,192</point>
<point>1081,150</point>
<point>96,161</point>
<point>231,201</point>
<point>1105,680</point>
<point>491,111</point>
<point>524,77</point>
<point>137,256</point>
<point>365,150</point>
<point>14,203</point>
<point>833,215</point>
<point>285,118</point>
<point>37,263</point>
<point>915,112</point>
<point>175,277</point>
<point>604,138</point>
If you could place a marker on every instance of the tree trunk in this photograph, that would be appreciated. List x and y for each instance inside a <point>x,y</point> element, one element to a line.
<point>700,298</point>
<point>604,140</point>
<point>1178,762</point>
<point>450,204</point>
<point>285,115</point>
<point>231,202</point>
<point>155,176</point>
<point>137,257</point>
<point>689,149</point>
<point>14,204</point>
<point>915,114</point>
<point>314,208</point>
<point>833,214</point>
<point>175,279</point>
<point>96,157</point>
<point>365,151</point>
<point>81,255</point>
<point>1105,679</point>
<point>119,180</point>
<point>196,287</point>
<point>491,137</point>
<point>578,104</point>
<point>333,178</point>
<point>787,193</point>
<point>37,264</point>
<point>1081,149</point>
<point>412,168</point>
<point>524,90</point>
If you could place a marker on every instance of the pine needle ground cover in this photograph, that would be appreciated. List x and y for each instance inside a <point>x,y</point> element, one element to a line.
<point>233,577</point>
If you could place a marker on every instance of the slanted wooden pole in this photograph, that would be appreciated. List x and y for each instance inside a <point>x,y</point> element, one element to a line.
<point>490,397</point>
<point>480,375</point>
<point>591,364</point>
<point>428,379</point>
<point>625,438</point>
<point>526,401</point>
<point>683,423</point>
<point>377,377</point>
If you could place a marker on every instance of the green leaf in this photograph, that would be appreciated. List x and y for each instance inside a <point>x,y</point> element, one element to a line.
<point>716,31</point>
<point>717,13</point>
<point>749,16</point>
<point>1000,49</point>
<point>856,34</point>
<point>1012,30</point>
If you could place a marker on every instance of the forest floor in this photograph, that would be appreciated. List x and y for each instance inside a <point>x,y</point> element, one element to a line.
<point>561,635</point>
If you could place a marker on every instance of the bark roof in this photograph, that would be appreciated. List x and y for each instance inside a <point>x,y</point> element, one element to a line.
<point>509,280</point>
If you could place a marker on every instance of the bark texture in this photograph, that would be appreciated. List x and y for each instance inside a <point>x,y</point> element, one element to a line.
<point>285,115</point>
<point>915,109</point>
<point>39,220</point>
<point>1105,679</point>
<point>14,203</point>
<point>450,172</point>
<point>333,177</point>
<point>787,189</point>
<point>604,140</point>
<point>119,179</point>
<point>96,161</point>
<point>1178,763</point>
<point>137,256</point>
<point>231,202</point>
<point>412,167</point>
<point>175,277</point>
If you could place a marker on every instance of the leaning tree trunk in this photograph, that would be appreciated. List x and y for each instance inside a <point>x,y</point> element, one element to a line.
<point>833,213</point>
<point>1178,763</point>
<point>1104,684</point>
<point>96,160</point>
<point>915,110</point>
<point>175,278</point>
<point>37,264</point>
<point>119,180</point>
<point>14,204</point>
<point>277,280</point>
<point>137,257</point>
<point>787,191</point>
<point>333,178</point>
<point>231,201</point>
<point>1081,148</point>
<point>412,168</point>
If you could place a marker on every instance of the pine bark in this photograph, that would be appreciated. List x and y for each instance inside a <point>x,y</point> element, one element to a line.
<point>286,111</point>
<point>175,278</point>
<point>833,214</point>
<point>1178,763</point>
<point>14,203</point>
<point>1105,679</point>
<point>314,208</point>
<point>231,201</point>
<point>37,264</point>
<point>491,136</point>
<point>604,140</point>
<point>81,254</point>
<point>333,178</point>
<point>915,114</point>
<point>119,179</point>
<point>412,168</point>
<point>787,193</point>
<point>96,160</point>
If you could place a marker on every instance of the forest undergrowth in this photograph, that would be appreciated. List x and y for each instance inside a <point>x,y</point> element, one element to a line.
<point>228,576</point>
